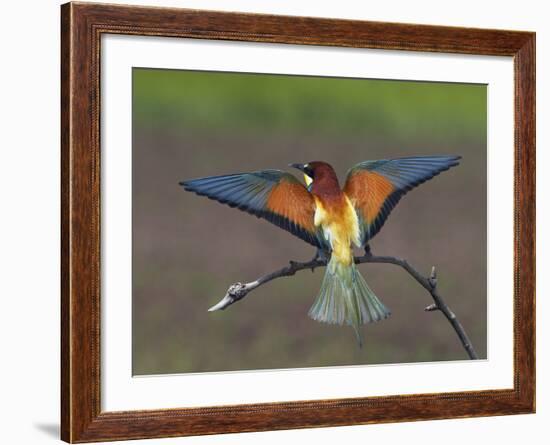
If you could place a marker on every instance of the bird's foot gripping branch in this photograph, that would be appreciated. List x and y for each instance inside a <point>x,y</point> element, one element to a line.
<point>238,291</point>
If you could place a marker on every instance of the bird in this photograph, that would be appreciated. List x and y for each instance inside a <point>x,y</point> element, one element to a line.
<point>333,219</point>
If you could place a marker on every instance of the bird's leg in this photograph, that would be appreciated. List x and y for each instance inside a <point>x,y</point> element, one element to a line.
<point>317,255</point>
<point>368,252</point>
<point>320,255</point>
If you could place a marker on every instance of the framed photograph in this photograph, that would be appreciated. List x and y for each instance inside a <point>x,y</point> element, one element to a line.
<point>388,273</point>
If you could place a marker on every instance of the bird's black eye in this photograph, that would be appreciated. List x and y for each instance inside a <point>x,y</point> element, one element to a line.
<point>308,171</point>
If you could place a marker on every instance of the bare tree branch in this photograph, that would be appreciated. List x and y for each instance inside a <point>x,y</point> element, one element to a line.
<point>238,291</point>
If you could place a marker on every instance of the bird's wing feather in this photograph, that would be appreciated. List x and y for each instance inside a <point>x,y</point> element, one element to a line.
<point>274,195</point>
<point>375,187</point>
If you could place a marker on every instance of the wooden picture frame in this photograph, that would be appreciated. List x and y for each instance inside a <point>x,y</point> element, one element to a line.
<point>82,26</point>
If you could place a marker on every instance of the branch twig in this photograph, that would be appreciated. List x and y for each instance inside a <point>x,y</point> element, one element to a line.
<point>238,291</point>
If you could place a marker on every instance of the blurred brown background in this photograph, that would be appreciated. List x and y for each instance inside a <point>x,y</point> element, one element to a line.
<point>187,249</point>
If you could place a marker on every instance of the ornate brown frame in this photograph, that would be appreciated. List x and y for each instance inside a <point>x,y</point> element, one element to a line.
<point>82,25</point>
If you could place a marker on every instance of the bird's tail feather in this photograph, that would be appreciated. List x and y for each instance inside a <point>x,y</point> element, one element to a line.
<point>345,297</point>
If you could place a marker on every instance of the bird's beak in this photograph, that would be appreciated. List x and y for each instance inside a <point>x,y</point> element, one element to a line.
<point>298,166</point>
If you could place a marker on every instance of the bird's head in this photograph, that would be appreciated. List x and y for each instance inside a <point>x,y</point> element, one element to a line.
<point>314,170</point>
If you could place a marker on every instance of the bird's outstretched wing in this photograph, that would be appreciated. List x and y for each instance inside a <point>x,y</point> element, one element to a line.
<point>375,187</point>
<point>274,195</point>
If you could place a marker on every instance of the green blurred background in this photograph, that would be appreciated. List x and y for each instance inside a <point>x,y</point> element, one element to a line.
<point>187,249</point>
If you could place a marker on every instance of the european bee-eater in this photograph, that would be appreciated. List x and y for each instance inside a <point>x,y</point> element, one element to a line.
<point>330,218</point>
